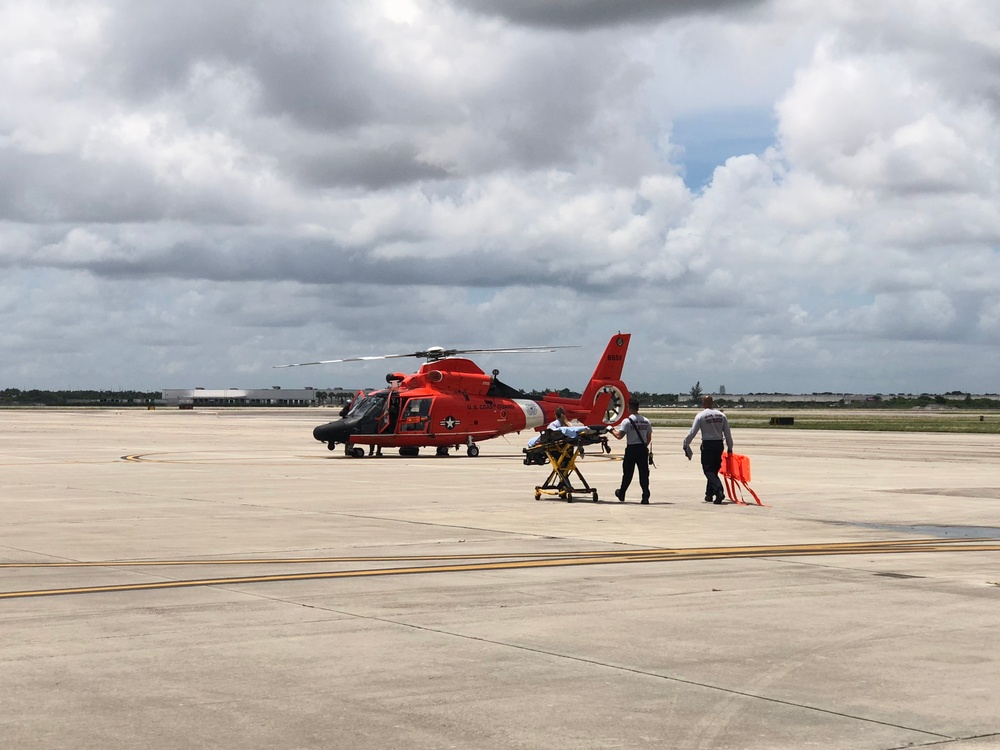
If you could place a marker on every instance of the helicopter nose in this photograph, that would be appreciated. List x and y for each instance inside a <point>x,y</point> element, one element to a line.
<point>330,432</point>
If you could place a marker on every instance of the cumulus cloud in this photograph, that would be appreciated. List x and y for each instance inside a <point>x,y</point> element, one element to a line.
<point>194,192</point>
<point>588,14</point>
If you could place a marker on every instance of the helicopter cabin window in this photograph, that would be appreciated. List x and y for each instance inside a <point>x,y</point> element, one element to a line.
<point>415,415</point>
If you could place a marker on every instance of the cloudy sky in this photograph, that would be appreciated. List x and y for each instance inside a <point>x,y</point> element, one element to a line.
<point>771,195</point>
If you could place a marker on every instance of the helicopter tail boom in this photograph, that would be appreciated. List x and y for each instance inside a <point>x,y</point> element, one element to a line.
<point>605,399</point>
<point>606,393</point>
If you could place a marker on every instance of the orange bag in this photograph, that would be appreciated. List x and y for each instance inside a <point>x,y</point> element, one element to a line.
<point>735,471</point>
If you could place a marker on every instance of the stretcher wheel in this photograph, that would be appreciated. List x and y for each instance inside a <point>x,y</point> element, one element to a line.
<point>595,496</point>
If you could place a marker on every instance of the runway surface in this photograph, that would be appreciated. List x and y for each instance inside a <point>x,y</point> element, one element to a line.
<point>188,579</point>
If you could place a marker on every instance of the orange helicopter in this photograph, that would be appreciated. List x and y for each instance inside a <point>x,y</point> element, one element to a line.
<point>450,402</point>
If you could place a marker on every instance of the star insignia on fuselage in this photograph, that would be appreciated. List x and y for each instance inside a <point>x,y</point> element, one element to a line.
<point>449,423</point>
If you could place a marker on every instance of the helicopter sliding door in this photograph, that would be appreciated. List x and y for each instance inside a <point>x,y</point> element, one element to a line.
<point>390,415</point>
<point>415,416</point>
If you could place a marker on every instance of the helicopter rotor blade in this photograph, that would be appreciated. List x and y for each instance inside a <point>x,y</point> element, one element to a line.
<point>433,354</point>
<point>348,359</point>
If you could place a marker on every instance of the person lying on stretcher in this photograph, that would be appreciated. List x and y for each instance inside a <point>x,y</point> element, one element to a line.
<point>572,433</point>
<point>560,425</point>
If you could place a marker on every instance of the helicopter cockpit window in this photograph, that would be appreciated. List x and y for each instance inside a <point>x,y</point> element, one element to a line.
<point>369,406</point>
<point>415,415</point>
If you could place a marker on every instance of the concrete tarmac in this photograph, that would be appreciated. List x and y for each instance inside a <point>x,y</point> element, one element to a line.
<point>217,579</point>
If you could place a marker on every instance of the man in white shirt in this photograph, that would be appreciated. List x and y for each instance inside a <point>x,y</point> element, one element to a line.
<point>639,433</point>
<point>714,428</point>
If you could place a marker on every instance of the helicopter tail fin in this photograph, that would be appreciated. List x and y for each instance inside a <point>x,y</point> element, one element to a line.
<point>606,395</point>
<point>613,360</point>
<point>605,399</point>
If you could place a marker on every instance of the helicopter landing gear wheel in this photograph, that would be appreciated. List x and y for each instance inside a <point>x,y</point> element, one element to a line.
<point>357,453</point>
<point>442,450</point>
<point>409,451</point>
<point>472,450</point>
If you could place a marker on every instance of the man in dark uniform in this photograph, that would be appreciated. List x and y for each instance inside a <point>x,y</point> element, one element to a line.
<point>639,433</point>
<point>714,427</point>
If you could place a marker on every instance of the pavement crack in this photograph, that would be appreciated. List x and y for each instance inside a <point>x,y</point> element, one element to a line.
<point>634,670</point>
<point>949,741</point>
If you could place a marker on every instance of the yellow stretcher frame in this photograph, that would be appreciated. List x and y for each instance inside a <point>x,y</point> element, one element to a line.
<point>562,455</point>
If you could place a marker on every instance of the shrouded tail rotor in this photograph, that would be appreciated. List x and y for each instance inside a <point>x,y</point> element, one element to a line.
<point>615,410</point>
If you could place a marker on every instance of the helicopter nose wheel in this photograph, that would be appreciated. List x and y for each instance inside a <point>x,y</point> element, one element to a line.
<point>472,450</point>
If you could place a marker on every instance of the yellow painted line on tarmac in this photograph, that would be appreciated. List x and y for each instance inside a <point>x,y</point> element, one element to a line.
<point>200,458</point>
<point>310,560</point>
<point>536,561</point>
<point>758,551</point>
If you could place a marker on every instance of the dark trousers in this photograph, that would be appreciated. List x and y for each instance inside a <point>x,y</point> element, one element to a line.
<point>711,462</point>
<point>636,457</point>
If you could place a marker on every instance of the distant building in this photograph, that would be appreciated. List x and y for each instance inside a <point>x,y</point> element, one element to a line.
<point>722,390</point>
<point>796,398</point>
<point>256,396</point>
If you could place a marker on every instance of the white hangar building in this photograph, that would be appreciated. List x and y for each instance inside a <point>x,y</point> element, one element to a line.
<point>275,396</point>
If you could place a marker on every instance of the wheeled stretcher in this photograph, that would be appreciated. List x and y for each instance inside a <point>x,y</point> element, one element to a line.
<point>561,451</point>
